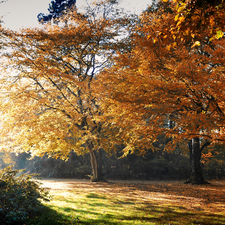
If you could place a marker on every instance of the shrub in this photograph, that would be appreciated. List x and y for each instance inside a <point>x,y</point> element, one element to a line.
<point>20,197</point>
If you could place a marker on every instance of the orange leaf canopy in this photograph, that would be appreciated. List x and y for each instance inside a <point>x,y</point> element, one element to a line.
<point>167,77</point>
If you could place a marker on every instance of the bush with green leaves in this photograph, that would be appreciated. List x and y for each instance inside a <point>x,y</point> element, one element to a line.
<point>20,197</point>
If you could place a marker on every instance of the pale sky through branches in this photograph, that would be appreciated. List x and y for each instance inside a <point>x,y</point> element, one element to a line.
<point>18,14</point>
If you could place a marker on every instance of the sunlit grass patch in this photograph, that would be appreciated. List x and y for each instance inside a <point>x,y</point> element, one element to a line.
<point>120,203</point>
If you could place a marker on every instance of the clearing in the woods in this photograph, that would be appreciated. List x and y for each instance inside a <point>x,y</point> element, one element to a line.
<point>137,202</point>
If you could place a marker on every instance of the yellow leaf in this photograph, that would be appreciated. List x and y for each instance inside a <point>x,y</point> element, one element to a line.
<point>181,19</point>
<point>176,17</point>
<point>182,7</point>
<point>168,47</point>
<point>219,34</point>
<point>197,43</point>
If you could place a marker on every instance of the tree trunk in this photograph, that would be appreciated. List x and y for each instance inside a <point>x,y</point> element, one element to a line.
<point>95,163</point>
<point>196,176</point>
<point>100,163</point>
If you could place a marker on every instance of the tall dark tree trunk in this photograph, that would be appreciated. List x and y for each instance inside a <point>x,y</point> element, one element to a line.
<point>100,163</point>
<point>95,162</point>
<point>195,150</point>
<point>196,169</point>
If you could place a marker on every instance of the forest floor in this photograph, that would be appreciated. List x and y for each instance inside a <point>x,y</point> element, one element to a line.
<point>137,202</point>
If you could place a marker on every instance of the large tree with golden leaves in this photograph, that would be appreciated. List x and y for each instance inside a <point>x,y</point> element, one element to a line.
<point>47,102</point>
<point>174,74</point>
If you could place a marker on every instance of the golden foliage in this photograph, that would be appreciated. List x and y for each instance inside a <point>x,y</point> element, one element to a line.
<point>99,80</point>
<point>47,97</point>
<point>170,75</point>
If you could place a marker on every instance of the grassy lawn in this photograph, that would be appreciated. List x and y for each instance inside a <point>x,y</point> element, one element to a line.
<point>118,202</point>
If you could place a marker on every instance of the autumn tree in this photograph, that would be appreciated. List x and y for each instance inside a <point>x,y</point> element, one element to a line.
<point>174,75</point>
<point>47,102</point>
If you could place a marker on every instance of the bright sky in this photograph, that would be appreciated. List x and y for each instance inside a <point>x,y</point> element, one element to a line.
<point>18,14</point>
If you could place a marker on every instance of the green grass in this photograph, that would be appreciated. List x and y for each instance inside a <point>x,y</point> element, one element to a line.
<point>126,204</point>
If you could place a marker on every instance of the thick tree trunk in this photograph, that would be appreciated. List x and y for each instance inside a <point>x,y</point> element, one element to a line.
<point>95,162</point>
<point>196,176</point>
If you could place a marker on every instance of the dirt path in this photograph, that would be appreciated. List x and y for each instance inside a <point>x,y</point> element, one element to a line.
<point>68,184</point>
<point>63,184</point>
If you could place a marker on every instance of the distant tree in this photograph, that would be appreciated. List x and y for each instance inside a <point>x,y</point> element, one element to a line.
<point>162,6</point>
<point>56,9</point>
<point>3,1</point>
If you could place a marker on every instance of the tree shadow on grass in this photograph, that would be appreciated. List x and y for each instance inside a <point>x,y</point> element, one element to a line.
<point>208,192</point>
<point>178,215</point>
<point>49,216</point>
<point>148,214</point>
<point>94,195</point>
